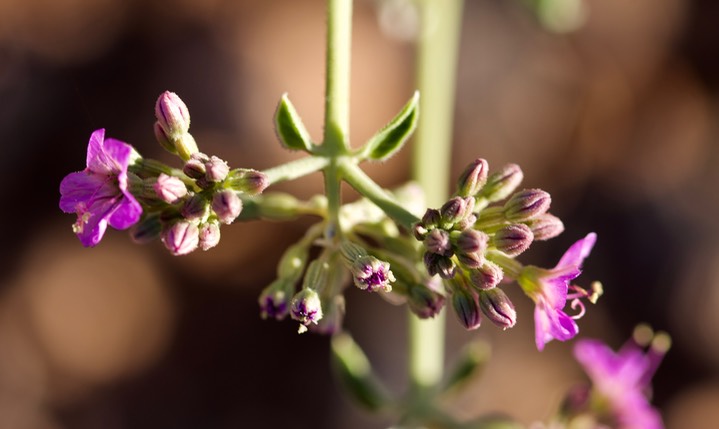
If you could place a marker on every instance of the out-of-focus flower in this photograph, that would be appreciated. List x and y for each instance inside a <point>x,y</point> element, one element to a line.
<point>621,381</point>
<point>99,194</point>
<point>549,290</point>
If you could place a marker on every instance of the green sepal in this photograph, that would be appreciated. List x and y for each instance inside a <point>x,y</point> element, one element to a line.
<point>355,373</point>
<point>389,140</point>
<point>470,363</point>
<point>289,127</point>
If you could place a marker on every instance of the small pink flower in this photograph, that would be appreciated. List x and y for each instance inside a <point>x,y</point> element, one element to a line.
<point>98,194</point>
<point>549,290</point>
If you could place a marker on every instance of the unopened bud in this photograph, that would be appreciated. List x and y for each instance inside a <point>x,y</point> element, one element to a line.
<point>275,299</point>
<point>495,304</point>
<point>169,188</point>
<point>172,114</point>
<point>306,308</point>
<point>425,300</point>
<point>195,207</point>
<point>251,182</point>
<point>456,209</point>
<point>487,276</point>
<point>195,166</point>
<point>148,229</point>
<point>438,264</point>
<point>527,204</point>
<point>227,205</point>
<point>513,239</point>
<point>431,218</point>
<point>545,226</point>
<point>162,138</point>
<point>293,262</point>
<point>209,235</point>
<point>473,178</point>
<point>181,238</point>
<point>216,169</point>
<point>186,146</point>
<point>471,240</point>
<point>466,307</point>
<point>437,241</point>
<point>502,183</point>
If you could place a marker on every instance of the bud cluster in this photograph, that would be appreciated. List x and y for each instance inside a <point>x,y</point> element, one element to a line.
<point>471,240</point>
<point>185,208</point>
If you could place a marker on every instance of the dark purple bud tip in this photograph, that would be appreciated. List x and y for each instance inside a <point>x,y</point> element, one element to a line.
<point>466,308</point>
<point>437,241</point>
<point>513,239</point>
<point>306,308</point>
<point>527,204</point>
<point>473,178</point>
<point>424,301</point>
<point>471,240</point>
<point>431,218</point>
<point>487,276</point>
<point>545,226</point>
<point>172,115</point>
<point>495,304</point>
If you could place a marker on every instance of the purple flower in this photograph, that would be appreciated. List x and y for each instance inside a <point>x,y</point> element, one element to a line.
<point>622,380</point>
<point>549,288</point>
<point>98,194</point>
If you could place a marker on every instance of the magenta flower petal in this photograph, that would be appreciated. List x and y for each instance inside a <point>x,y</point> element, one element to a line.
<point>549,289</point>
<point>98,194</point>
<point>622,379</point>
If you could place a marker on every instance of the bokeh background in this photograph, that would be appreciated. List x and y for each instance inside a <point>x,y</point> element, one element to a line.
<point>617,120</point>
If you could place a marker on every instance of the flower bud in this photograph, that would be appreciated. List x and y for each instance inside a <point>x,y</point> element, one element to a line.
<point>172,115</point>
<point>169,188</point>
<point>371,274</point>
<point>437,241</point>
<point>495,304</point>
<point>425,300</point>
<point>195,166</point>
<point>502,183</point>
<point>471,241</point>
<point>470,260</point>
<point>186,146</point>
<point>487,276</point>
<point>209,235</point>
<point>431,218</point>
<point>513,239</point>
<point>306,308</point>
<point>466,223</point>
<point>216,169</point>
<point>527,204</point>
<point>293,262</point>
<point>181,237</point>
<point>466,307</point>
<point>274,300</point>
<point>473,178</point>
<point>545,226</point>
<point>195,207</point>
<point>456,209</point>
<point>251,182</point>
<point>148,229</point>
<point>162,138</point>
<point>438,264</point>
<point>227,205</point>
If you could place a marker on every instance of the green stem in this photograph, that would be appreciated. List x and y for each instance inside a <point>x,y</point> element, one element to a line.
<point>436,70</point>
<point>337,87</point>
<point>295,169</point>
<point>363,184</point>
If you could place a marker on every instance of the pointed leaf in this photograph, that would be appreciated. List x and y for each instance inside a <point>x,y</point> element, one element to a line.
<point>389,140</point>
<point>289,127</point>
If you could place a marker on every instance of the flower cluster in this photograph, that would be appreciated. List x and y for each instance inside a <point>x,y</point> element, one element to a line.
<point>184,208</point>
<point>471,243</point>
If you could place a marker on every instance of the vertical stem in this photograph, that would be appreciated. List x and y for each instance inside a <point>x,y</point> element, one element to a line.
<point>337,105</point>
<point>337,86</point>
<point>436,70</point>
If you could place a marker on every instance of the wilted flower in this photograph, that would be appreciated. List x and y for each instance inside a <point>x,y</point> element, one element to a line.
<point>98,194</point>
<point>549,288</point>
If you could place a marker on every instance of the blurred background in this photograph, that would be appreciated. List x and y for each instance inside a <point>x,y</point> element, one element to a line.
<point>617,120</point>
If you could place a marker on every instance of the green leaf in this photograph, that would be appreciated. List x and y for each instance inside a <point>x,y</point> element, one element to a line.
<point>289,127</point>
<point>389,140</point>
<point>355,373</point>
